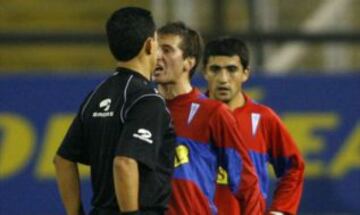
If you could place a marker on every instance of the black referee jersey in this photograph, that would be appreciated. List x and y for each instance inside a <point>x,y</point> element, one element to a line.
<point>124,116</point>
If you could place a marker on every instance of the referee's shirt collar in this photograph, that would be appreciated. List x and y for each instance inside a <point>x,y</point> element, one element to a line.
<point>132,72</point>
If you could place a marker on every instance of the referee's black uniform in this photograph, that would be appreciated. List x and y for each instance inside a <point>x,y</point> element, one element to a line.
<point>124,116</point>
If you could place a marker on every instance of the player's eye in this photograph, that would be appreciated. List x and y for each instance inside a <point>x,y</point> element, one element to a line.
<point>165,50</point>
<point>232,68</point>
<point>214,69</point>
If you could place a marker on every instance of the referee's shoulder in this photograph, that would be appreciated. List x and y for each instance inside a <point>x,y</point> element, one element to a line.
<point>147,94</point>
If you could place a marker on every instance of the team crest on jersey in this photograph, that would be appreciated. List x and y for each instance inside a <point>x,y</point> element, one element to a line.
<point>193,110</point>
<point>255,118</point>
<point>105,106</point>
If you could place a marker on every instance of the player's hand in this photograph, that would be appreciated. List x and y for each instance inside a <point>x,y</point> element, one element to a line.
<point>276,213</point>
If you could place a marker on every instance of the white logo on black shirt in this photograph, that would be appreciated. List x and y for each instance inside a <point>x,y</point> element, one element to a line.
<point>105,105</point>
<point>144,135</point>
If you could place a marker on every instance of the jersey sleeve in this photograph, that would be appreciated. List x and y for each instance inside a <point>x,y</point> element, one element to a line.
<point>145,124</point>
<point>73,147</point>
<point>234,158</point>
<point>288,165</point>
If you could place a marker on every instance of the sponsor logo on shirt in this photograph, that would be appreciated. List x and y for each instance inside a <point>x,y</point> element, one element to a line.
<point>181,155</point>
<point>144,135</point>
<point>222,176</point>
<point>105,105</point>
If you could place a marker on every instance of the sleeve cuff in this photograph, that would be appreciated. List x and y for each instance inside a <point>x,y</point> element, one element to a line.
<point>131,213</point>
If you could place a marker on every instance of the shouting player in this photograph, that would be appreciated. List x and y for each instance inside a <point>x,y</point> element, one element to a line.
<point>206,131</point>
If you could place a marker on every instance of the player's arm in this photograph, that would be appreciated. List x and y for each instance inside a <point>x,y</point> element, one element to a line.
<point>126,181</point>
<point>67,176</point>
<point>235,159</point>
<point>288,165</point>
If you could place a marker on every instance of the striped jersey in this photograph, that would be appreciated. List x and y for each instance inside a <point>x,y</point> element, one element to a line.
<point>269,142</point>
<point>208,139</point>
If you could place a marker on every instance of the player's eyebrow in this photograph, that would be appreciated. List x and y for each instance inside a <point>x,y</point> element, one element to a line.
<point>215,66</point>
<point>231,66</point>
<point>223,66</point>
<point>168,46</point>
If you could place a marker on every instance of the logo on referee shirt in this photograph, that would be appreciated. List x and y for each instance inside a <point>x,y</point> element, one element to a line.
<point>105,105</point>
<point>144,135</point>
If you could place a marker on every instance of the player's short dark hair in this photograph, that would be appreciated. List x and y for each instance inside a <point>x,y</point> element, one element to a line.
<point>191,41</point>
<point>227,46</point>
<point>127,30</point>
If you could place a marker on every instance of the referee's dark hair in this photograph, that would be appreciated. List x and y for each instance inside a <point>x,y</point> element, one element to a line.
<point>191,41</point>
<point>127,30</point>
<point>227,46</point>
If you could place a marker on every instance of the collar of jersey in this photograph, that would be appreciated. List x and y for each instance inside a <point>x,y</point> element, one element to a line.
<point>132,72</point>
<point>248,102</point>
<point>184,98</point>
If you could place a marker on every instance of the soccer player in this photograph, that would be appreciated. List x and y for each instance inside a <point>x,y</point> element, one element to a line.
<point>206,133</point>
<point>226,68</point>
<point>122,130</point>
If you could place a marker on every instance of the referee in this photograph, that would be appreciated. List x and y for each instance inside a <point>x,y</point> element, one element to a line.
<point>122,130</point>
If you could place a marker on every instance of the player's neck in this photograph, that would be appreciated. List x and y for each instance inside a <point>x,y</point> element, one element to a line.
<point>136,66</point>
<point>237,102</point>
<point>170,91</point>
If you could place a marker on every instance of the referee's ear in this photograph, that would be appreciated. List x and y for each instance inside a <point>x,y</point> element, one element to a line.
<point>149,45</point>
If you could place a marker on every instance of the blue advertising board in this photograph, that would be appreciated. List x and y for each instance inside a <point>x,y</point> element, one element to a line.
<point>321,112</point>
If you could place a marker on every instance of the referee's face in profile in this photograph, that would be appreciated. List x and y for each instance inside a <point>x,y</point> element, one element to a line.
<point>225,76</point>
<point>170,64</point>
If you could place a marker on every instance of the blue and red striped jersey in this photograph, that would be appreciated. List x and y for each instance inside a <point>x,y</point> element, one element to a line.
<point>207,137</point>
<point>268,142</point>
